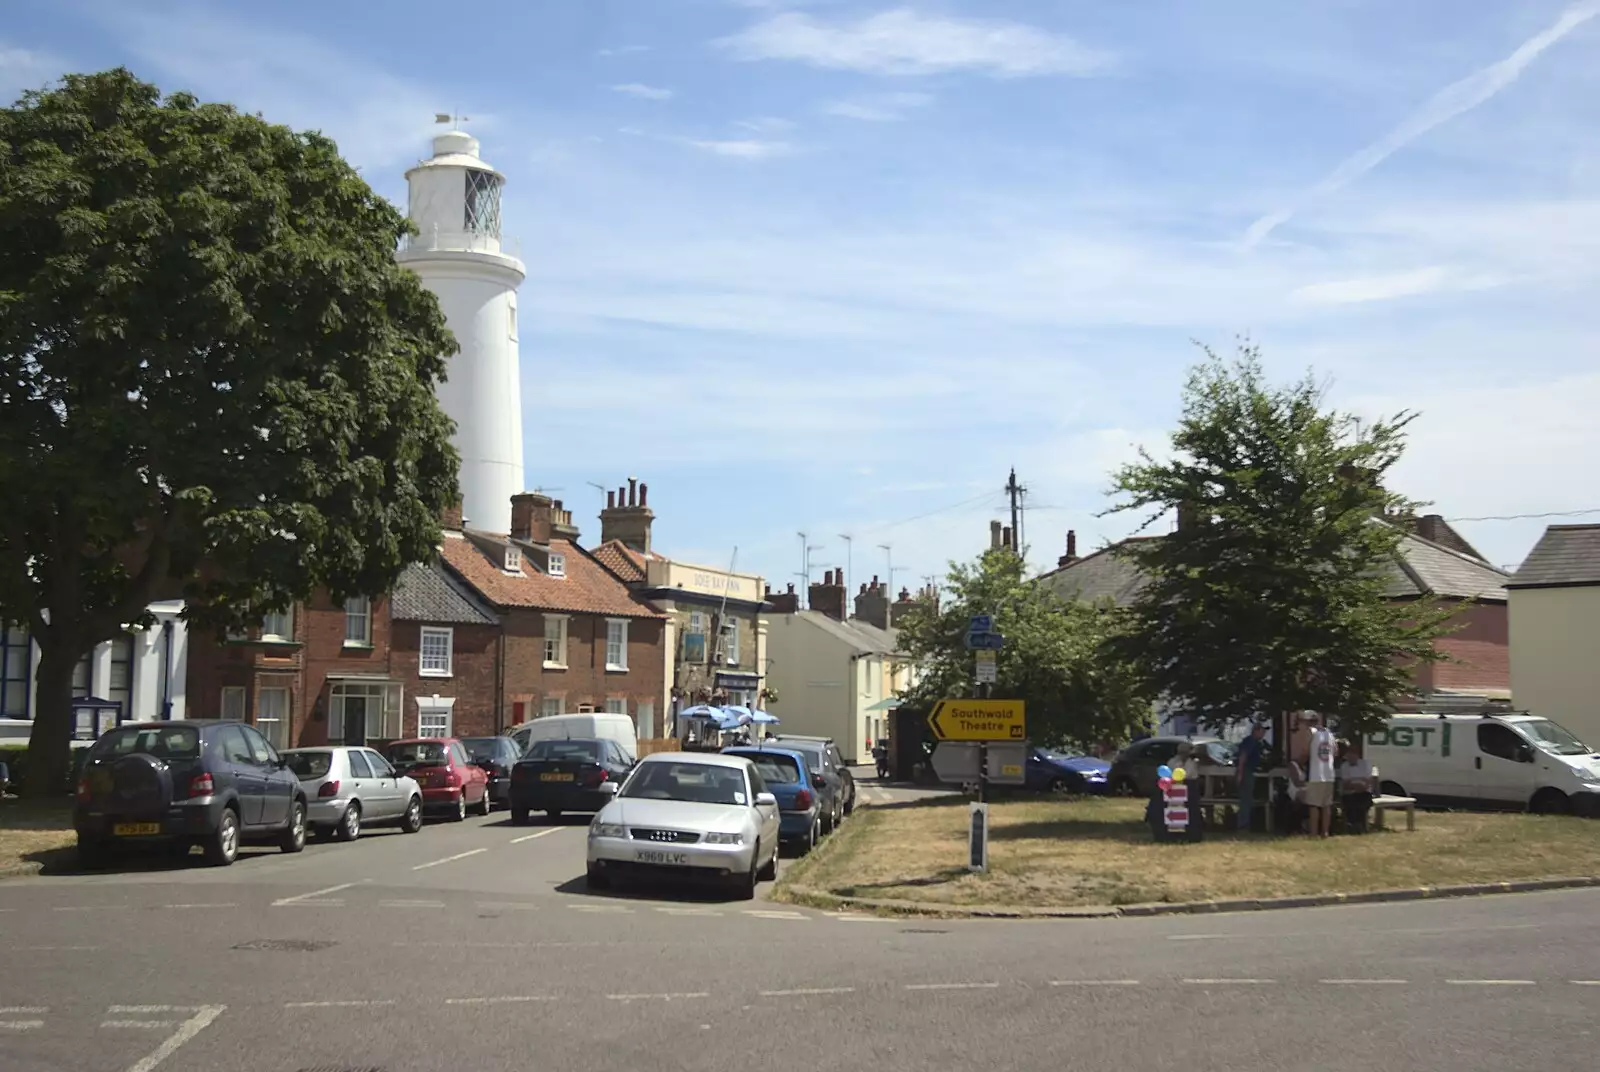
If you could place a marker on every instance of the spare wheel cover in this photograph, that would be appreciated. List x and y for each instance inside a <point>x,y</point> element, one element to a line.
<point>141,785</point>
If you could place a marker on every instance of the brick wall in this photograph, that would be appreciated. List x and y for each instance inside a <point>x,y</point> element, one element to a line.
<point>585,680</point>
<point>472,681</point>
<point>1479,649</point>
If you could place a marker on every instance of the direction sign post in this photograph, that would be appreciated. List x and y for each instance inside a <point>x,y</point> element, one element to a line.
<point>980,720</point>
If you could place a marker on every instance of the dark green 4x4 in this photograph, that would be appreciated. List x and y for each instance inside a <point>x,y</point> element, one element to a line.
<point>180,784</point>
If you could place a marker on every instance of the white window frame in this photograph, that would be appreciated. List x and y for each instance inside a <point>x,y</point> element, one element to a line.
<point>389,714</point>
<point>558,565</point>
<point>619,665</point>
<point>434,632</point>
<point>616,705</point>
<point>275,729</point>
<point>238,694</point>
<point>730,641</point>
<point>358,622</point>
<point>285,618</point>
<point>513,559</point>
<point>644,718</point>
<point>437,709</point>
<point>555,645</point>
<point>558,703</point>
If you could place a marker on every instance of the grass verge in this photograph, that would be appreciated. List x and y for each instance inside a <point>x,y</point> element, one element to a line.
<point>1098,852</point>
<point>34,833</point>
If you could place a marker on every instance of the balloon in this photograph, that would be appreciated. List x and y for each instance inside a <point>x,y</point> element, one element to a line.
<point>1164,783</point>
<point>1163,771</point>
<point>1178,776</point>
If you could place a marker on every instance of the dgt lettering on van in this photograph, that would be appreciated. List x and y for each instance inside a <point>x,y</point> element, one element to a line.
<point>1422,738</point>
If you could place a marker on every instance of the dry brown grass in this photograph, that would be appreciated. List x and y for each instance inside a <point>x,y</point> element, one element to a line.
<point>1098,852</point>
<point>34,832</point>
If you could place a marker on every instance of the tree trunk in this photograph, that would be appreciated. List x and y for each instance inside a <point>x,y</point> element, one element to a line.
<point>50,745</point>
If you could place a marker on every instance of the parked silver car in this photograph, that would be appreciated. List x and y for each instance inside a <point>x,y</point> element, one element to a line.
<point>688,815</point>
<point>348,788</point>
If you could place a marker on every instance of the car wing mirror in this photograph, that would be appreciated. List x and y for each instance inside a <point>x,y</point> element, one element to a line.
<point>766,800</point>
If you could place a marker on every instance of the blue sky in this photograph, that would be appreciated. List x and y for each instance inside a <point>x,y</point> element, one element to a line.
<point>834,266</point>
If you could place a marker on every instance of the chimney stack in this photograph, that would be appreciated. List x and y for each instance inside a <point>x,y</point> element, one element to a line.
<point>1072,550</point>
<point>531,517</point>
<point>872,605</point>
<point>627,517</point>
<point>994,535</point>
<point>783,602</point>
<point>1006,541</point>
<point>450,517</point>
<point>829,597</point>
<point>905,603</point>
<point>561,525</point>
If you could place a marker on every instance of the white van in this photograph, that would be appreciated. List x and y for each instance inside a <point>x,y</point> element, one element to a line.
<point>1521,759</point>
<point>594,726</point>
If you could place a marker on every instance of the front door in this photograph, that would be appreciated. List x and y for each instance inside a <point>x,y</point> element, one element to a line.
<point>355,720</point>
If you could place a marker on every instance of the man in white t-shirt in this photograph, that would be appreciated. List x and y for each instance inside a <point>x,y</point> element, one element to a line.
<point>1319,776</point>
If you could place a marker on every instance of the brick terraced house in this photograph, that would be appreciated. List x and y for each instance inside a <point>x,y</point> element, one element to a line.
<point>444,648</point>
<point>575,638</point>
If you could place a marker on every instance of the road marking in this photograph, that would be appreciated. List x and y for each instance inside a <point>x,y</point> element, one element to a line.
<point>1196,937</point>
<point>952,986</point>
<point>1229,982</point>
<point>410,904</point>
<point>536,834</point>
<point>154,1008</point>
<point>227,905</point>
<point>598,908</point>
<point>24,1010</point>
<point>674,910</point>
<point>807,992</point>
<point>501,1000</point>
<point>656,997</point>
<point>448,859</point>
<point>56,948</point>
<point>1363,982</point>
<point>333,1004</point>
<point>301,898</point>
<point>20,1025</point>
<point>1094,982</point>
<point>137,1023</point>
<point>189,1029</point>
<point>85,908</point>
<point>863,919</point>
<point>775,915</point>
<point>1575,982</point>
<point>1490,982</point>
<point>508,906</point>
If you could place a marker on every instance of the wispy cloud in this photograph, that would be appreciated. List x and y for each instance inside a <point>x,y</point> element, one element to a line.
<point>880,108</point>
<point>635,89</point>
<point>745,149</point>
<point>622,50</point>
<point>1451,101</point>
<point>767,124</point>
<point>904,42</point>
<point>1375,288</point>
<point>23,69</point>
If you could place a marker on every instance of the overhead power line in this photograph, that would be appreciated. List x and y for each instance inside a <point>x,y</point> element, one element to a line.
<point>940,510</point>
<point>1528,517</point>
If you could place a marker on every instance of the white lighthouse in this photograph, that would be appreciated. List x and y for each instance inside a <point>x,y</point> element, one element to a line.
<point>455,205</point>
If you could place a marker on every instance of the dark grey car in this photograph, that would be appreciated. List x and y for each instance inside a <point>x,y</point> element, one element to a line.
<point>1134,768</point>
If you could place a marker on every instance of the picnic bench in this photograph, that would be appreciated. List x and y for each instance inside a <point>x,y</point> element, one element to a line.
<point>1387,802</point>
<point>1217,787</point>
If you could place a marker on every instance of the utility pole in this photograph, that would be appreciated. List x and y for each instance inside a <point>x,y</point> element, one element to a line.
<point>806,547</point>
<point>1012,491</point>
<point>888,550</point>
<point>849,561</point>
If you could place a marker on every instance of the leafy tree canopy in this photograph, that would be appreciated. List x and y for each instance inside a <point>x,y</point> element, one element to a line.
<point>1053,658</point>
<point>215,381</point>
<point>1270,596</point>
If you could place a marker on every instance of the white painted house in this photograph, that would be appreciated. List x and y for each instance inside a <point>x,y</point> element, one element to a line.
<point>832,678</point>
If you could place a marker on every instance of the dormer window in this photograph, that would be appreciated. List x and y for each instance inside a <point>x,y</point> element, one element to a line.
<point>558,565</point>
<point>513,560</point>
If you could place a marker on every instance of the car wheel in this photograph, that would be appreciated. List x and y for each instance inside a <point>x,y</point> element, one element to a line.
<point>460,815</point>
<point>223,845</point>
<point>850,804</point>
<point>1059,786</point>
<point>294,835</point>
<point>748,882</point>
<point>597,879</point>
<point>349,827</point>
<point>1125,787</point>
<point>485,805</point>
<point>412,822</point>
<point>1550,802</point>
<point>813,835</point>
<point>519,816</point>
<point>93,854</point>
<point>769,871</point>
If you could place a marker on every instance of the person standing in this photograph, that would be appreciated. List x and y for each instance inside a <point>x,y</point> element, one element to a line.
<point>1250,752</point>
<point>1319,776</point>
<point>1355,787</point>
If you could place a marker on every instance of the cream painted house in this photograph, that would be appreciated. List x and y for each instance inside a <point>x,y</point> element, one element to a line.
<point>1555,630</point>
<point>832,678</point>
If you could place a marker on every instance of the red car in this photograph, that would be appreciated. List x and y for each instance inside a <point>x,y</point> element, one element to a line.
<point>449,781</point>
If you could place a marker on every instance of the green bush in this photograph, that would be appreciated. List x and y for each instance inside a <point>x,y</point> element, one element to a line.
<point>15,757</point>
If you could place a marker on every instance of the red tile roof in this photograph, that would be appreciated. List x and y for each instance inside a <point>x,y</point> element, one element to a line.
<point>586,589</point>
<point>622,560</point>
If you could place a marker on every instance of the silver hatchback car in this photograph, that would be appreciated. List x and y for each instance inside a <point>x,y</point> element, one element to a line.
<point>348,787</point>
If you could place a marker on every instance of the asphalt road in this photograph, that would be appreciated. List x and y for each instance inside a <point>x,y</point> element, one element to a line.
<point>476,946</point>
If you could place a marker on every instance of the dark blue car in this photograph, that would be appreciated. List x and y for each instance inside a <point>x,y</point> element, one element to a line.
<point>801,802</point>
<point>1060,772</point>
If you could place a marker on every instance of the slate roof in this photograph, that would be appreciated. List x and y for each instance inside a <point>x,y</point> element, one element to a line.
<point>427,593</point>
<point>587,588</point>
<point>622,560</point>
<point>1423,568</point>
<point>865,637</point>
<point>1565,556</point>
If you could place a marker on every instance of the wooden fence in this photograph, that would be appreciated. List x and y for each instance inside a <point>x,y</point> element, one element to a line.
<point>651,745</point>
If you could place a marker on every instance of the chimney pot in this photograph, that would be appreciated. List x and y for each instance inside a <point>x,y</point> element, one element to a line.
<point>791,588</point>
<point>644,494</point>
<point>1005,539</point>
<point>611,500</point>
<point>994,535</point>
<point>633,492</point>
<point>1072,543</point>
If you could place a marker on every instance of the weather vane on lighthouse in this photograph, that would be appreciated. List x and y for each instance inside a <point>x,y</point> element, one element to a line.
<point>454,120</point>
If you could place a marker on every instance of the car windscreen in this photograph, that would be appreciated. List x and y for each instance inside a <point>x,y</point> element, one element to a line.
<point>418,754</point>
<point>1553,737</point>
<point>564,751</point>
<point>698,783</point>
<point>1222,753</point>
<point>309,766</point>
<point>813,753</point>
<point>774,769</point>
<point>162,742</point>
<point>482,747</point>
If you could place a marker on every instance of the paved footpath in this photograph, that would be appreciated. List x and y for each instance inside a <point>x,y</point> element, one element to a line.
<point>478,940</point>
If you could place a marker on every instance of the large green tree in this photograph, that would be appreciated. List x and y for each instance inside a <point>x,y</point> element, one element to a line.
<point>1053,656</point>
<point>215,382</point>
<point>1270,596</point>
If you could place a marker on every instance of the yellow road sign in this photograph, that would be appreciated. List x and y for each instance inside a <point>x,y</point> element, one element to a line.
<point>978,720</point>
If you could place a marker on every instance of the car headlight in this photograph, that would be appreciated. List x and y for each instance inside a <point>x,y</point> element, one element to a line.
<point>724,839</point>
<point>607,830</point>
